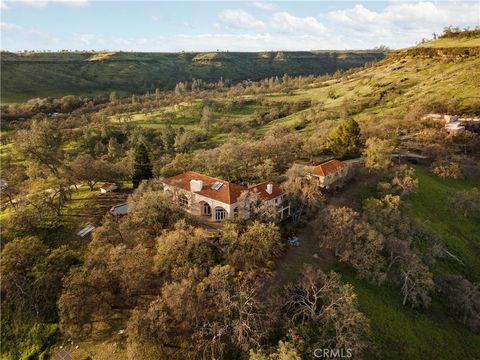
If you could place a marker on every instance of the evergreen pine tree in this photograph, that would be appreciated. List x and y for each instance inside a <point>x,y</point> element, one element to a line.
<point>142,166</point>
<point>346,140</point>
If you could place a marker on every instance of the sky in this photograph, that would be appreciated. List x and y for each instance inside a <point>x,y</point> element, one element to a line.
<point>168,26</point>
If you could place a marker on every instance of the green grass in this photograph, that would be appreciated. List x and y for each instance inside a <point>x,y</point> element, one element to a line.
<point>188,115</point>
<point>459,234</point>
<point>399,332</point>
<point>7,151</point>
<point>5,213</point>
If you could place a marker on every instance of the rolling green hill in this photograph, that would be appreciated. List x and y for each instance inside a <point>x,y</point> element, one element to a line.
<point>30,75</point>
<point>437,78</point>
<point>434,78</point>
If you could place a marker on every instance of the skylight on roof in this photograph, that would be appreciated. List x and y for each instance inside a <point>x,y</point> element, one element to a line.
<point>217,185</point>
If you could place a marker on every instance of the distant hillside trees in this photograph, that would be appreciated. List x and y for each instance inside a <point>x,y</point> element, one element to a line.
<point>457,32</point>
<point>180,88</point>
<point>382,48</point>
<point>206,120</point>
<point>113,96</point>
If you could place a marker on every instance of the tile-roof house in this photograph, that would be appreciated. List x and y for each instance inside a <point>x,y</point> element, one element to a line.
<point>107,187</point>
<point>330,172</point>
<point>216,199</point>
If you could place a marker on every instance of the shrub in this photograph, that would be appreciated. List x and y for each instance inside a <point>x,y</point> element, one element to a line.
<point>447,169</point>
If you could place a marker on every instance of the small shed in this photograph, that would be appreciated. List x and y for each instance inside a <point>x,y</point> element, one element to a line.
<point>120,209</point>
<point>107,187</point>
<point>86,230</point>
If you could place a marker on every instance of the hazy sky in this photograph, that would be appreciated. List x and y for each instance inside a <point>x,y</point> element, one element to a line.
<point>226,25</point>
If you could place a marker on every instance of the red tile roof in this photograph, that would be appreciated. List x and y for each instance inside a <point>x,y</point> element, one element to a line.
<point>262,190</point>
<point>107,185</point>
<point>228,193</point>
<point>328,167</point>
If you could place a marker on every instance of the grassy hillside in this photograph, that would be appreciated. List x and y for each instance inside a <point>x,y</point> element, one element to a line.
<point>32,75</point>
<point>436,78</point>
<point>400,332</point>
<point>460,234</point>
<point>433,79</point>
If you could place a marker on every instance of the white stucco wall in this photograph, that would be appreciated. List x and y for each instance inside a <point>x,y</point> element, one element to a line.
<point>195,202</point>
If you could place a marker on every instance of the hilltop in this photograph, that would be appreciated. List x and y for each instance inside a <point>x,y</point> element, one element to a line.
<point>30,75</point>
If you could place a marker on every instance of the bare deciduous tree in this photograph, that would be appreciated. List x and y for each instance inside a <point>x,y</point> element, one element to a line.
<point>378,153</point>
<point>466,201</point>
<point>323,300</point>
<point>463,299</point>
<point>417,281</point>
<point>303,194</point>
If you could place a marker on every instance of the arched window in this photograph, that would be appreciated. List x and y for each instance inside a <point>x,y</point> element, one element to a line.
<point>206,209</point>
<point>182,201</point>
<point>220,214</point>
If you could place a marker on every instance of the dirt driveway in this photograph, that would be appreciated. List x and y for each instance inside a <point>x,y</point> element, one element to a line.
<point>290,266</point>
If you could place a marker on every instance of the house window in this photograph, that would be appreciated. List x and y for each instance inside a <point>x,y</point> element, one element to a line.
<point>207,210</point>
<point>220,214</point>
<point>183,201</point>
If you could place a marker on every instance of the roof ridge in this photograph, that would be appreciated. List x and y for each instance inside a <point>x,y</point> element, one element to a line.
<point>328,161</point>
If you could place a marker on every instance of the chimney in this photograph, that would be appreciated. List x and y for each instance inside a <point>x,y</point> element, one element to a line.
<point>196,185</point>
<point>270,188</point>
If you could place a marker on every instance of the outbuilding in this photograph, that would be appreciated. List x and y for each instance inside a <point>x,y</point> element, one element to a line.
<point>108,187</point>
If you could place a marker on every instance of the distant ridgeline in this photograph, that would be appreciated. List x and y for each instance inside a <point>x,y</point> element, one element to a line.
<point>55,74</point>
